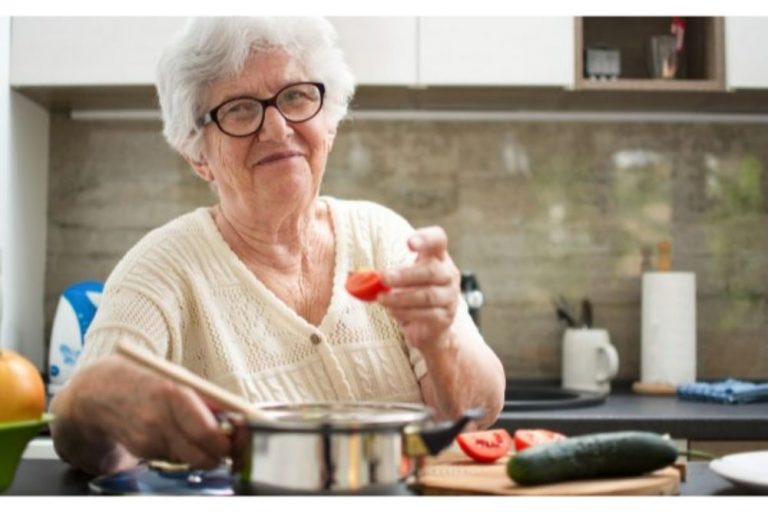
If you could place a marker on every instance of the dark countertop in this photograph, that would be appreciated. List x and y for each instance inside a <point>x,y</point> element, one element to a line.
<point>56,478</point>
<point>624,410</point>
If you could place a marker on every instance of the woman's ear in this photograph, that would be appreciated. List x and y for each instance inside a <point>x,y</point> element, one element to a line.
<point>331,136</point>
<point>201,167</point>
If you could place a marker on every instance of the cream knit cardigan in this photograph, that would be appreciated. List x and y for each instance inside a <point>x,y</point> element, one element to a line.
<point>183,293</point>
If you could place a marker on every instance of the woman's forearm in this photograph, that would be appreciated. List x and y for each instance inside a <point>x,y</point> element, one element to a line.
<point>461,374</point>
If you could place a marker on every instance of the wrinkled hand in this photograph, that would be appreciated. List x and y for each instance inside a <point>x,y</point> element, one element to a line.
<point>152,417</point>
<point>424,296</point>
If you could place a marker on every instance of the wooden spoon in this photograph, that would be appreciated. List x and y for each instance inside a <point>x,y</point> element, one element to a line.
<point>181,375</point>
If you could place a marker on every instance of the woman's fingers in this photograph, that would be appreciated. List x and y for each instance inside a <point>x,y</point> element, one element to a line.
<point>198,438</point>
<point>420,274</point>
<point>431,241</point>
<point>183,449</point>
<point>154,418</point>
<point>434,318</point>
<point>424,296</point>
<point>419,297</point>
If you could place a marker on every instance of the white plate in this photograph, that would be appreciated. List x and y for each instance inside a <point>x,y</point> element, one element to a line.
<point>749,469</point>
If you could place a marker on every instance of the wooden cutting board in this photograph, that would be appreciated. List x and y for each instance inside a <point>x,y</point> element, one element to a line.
<point>455,473</point>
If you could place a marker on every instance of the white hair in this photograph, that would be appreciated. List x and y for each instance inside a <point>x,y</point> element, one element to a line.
<point>208,49</point>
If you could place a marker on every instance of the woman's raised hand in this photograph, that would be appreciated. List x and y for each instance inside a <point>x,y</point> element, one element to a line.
<point>424,296</point>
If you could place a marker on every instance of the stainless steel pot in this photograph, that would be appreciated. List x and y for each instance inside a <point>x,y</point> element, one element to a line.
<point>338,447</point>
<point>318,447</point>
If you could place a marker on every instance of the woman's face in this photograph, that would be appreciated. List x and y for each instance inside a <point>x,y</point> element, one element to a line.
<point>283,163</point>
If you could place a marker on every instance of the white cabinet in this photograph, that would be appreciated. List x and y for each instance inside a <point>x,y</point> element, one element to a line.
<point>84,51</point>
<point>501,51</point>
<point>64,51</point>
<point>746,52</point>
<point>24,128</point>
<point>399,51</point>
<point>380,51</point>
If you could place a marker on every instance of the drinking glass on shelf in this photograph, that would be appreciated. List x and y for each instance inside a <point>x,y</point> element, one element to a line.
<point>662,56</point>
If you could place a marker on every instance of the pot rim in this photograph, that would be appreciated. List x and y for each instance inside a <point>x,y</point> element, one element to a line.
<point>394,417</point>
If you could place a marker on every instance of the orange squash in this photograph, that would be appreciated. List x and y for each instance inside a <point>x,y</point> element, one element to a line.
<point>22,392</point>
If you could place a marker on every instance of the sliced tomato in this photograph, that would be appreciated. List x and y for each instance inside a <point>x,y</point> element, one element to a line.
<point>405,466</point>
<point>527,438</point>
<point>485,445</point>
<point>365,284</point>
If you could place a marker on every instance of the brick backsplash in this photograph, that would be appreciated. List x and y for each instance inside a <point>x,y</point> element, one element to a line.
<point>535,209</point>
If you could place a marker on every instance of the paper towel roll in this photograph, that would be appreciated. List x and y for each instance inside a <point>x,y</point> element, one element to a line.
<point>669,328</point>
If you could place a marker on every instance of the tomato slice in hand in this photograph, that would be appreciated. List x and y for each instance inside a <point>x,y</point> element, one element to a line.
<point>527,438</point>
<point>365,284</point>
<point>485,445</point>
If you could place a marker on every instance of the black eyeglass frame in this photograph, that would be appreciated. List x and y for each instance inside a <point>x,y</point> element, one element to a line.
<point>212,115</point>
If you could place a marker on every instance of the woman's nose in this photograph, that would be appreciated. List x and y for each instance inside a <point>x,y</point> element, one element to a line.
<point>274,127</point>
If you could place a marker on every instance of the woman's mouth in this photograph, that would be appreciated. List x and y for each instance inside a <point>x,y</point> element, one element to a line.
<point>280,155</point>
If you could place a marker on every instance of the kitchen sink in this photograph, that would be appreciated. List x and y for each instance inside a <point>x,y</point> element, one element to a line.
<point>532,398</point>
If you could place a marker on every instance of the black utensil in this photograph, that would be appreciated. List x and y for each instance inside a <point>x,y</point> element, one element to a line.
<point>586,313</point>
<point>563,311</point>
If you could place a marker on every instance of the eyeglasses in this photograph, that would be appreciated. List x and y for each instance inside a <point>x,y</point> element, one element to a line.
<point>243,116</point>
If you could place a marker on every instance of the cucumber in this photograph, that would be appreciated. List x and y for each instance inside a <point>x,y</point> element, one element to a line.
<point>609,454</point>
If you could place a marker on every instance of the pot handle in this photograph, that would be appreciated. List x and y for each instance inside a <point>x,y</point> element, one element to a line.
<point>433,439</point>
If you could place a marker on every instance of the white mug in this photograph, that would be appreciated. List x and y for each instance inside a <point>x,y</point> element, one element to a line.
<point>589,360</point>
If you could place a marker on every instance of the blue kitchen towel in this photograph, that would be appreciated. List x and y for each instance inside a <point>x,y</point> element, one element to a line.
<point>729,391</point>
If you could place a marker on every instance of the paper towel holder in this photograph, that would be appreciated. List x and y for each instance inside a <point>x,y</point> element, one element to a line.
<point>663,267</point>
<point>654,388</point>
<point>664,263</point>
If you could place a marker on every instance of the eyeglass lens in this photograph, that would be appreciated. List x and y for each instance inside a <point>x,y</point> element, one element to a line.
<point>243,116</point>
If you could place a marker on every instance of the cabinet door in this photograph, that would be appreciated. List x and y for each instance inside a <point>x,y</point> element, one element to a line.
<point>746,52</point>
<point>380,51</point>
<point>519,51</point>
<point>124,51</point>
<point>88,50</point>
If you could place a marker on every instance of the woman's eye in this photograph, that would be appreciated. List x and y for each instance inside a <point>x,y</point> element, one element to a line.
<point>242,108</point>
<point>295,96</point>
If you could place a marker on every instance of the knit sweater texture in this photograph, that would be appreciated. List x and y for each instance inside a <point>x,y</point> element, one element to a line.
<point>182,293</point>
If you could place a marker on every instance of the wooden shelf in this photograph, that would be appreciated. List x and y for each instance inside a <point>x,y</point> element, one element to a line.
<point>701,61</point>
<point>650,84</point>
<point>607,97</point>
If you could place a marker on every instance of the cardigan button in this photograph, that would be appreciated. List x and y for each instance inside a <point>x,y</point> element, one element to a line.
<point>315,339</point>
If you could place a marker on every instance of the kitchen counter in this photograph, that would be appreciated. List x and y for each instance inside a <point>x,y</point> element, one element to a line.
<point>624,410</point>
<point>56,478</point>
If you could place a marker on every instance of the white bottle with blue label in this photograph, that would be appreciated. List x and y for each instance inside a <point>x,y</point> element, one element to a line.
<point>76,309</point>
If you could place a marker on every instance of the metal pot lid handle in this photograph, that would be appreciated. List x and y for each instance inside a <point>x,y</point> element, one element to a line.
<point>435,438</point>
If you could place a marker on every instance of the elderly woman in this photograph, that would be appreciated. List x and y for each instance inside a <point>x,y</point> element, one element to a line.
<point>249,294</point>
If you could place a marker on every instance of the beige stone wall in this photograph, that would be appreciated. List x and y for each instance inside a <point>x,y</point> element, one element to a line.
<point>535,209</point>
